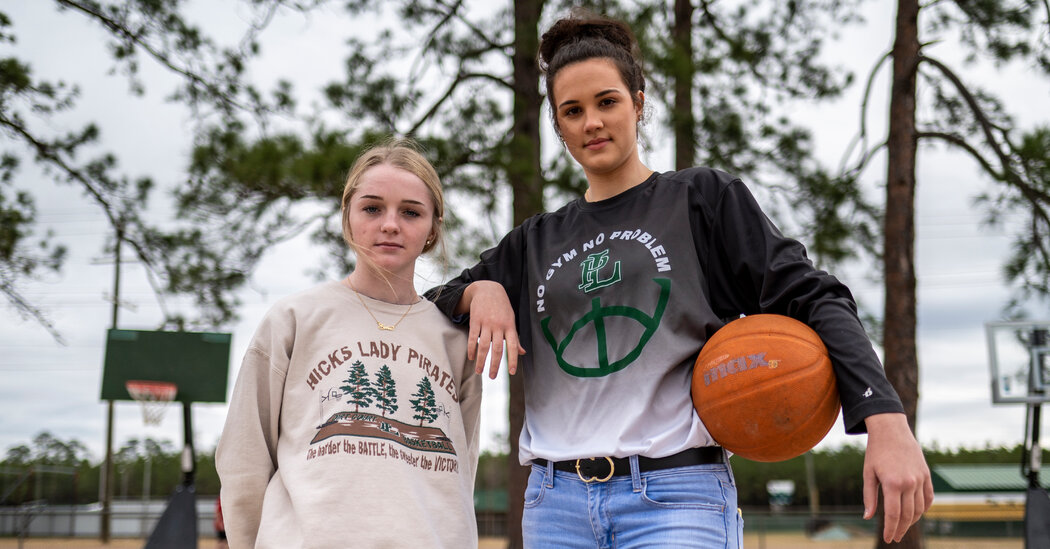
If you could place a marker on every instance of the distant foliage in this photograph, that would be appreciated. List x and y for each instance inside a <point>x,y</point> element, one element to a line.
<point>62,471</point>
<point>838,473</point>
<point>838,470</point>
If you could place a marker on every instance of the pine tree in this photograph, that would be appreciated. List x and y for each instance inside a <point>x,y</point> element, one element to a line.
<point>386,391</point>
<point>423,402</point>
<point>968,118</point>
<point>209,79</point>
<point>358,387</point>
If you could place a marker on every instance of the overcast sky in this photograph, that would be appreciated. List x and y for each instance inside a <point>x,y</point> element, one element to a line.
<point>45,386</point>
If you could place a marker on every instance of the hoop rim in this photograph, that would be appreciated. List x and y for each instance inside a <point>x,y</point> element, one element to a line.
<point>154,396</point>
<point>151,390</point>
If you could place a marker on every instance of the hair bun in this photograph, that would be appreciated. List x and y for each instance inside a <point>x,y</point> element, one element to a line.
<point>583,36</point>
<point>581,26</point>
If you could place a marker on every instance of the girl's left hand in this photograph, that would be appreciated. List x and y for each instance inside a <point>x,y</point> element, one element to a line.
<point>491,327</point>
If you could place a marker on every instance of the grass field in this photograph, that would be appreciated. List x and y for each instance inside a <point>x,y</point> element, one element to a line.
<point>751,541</point>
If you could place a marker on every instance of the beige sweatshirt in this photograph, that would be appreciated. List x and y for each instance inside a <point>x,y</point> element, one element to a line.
<point>343,435</point>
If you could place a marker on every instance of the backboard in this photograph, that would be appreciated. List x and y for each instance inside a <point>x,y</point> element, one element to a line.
<point>1019,359</point>
<point>198,362</point>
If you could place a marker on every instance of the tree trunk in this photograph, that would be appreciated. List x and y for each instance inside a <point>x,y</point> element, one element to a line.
<point>902,366</point>
<point>682,119</point>
<point>526,180</point>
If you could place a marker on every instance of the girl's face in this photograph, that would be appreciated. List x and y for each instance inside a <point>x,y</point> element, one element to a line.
<point>391,217</point>
<point>597,116</point>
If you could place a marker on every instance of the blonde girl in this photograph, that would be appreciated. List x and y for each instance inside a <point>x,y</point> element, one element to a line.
<point>354,418</point>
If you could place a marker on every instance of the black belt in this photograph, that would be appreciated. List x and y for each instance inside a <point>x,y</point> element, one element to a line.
<point>602,469</point>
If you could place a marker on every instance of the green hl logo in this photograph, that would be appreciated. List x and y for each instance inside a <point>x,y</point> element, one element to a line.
<point>589,272</point>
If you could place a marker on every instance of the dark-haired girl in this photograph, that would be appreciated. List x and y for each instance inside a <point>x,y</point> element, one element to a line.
<point>614,295</point>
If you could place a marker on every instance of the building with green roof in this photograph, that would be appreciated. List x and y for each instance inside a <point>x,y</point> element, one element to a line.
<point>980,498</point>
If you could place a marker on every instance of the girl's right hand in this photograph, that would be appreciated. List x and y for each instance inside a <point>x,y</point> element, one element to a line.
<point>491,327</point>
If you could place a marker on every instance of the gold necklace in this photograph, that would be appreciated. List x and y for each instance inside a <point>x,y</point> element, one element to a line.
<point>380,325</point>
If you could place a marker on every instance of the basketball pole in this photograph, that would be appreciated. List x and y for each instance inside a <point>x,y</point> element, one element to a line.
<point>1036,523</point>
<point>189,456</point>
<point>1033,336</point>
<point>107,469</point>
<point>177,526</point>
<point>1031,463</point>
<point>1032,454</point>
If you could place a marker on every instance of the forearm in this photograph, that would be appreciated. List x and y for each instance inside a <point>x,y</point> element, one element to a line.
<point>862,385</point>
<point>246,456</point>
<point>503,265</point>
<point>887,423</point>
<point>472,289</point>
<point>242,513</point>
<point>244,469</point>
<point>756,269</point>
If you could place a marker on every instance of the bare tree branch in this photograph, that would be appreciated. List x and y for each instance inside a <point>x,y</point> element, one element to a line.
<point>986,125</point>
<point>460,79</point>
<point>862,136</point>
<point>712,21</point>
<point>966,146</point>
<point>27,309</point>
<point>45,152</point>
<point>1046,8</point>
<point>454,12</point>
<point>117,28</point>
<point>478,33</point>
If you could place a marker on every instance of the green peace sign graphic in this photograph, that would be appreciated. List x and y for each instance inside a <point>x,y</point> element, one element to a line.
<point>597,315</point>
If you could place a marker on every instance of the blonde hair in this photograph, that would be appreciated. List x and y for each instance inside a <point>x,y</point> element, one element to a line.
<point>405,154</point>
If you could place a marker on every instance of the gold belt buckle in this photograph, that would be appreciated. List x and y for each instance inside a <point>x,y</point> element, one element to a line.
<point>596,479</point>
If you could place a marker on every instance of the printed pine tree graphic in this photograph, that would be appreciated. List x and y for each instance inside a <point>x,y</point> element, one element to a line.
<point>386,392</point>
<point>358,387</point>
<point>423,402</point>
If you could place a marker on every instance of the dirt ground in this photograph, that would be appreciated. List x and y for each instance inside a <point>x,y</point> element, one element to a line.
<point>800,541</point>
<point>751,541</point>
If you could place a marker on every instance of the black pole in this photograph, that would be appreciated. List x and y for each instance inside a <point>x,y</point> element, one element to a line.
<point>1036,452</point>
<point>177,526</point>
<point>107,468</point>
<point>189,463</point>
<point>1038,348</point>
<point>1037,503</point>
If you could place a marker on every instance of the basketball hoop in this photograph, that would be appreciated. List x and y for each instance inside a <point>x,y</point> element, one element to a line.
<point>154,397</point>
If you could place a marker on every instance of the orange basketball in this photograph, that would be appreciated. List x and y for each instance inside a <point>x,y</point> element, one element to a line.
<point>764,387</point>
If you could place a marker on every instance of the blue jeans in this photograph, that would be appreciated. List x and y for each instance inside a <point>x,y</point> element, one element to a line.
<point>693,506</point>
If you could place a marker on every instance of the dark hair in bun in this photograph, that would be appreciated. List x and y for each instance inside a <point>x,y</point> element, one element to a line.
<point>582,36</point>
